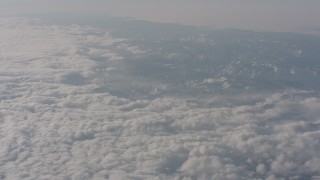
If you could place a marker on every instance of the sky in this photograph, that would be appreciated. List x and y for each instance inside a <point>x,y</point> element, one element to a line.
<point>274,15</point>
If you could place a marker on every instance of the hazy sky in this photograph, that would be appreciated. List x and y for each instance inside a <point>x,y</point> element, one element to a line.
<point>277,15</point>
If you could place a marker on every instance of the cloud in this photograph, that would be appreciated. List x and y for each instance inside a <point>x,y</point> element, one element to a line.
<point>61,117</point>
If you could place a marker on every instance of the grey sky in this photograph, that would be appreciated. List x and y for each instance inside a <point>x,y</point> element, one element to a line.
<point>276,15</point>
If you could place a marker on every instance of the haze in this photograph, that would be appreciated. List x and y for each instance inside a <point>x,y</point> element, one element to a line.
<point>271,15</point>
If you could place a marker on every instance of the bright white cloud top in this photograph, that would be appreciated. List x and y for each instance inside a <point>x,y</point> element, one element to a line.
<point>70,109</point>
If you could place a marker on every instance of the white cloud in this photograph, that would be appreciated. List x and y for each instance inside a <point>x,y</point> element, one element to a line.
<point>58,119</point>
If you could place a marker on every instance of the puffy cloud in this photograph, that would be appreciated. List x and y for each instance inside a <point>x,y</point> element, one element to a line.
<point>61,118</point>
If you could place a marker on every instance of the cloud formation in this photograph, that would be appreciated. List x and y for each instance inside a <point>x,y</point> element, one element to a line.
<point>61,117</point>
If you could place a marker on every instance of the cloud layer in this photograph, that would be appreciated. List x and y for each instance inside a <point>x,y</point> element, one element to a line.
<point>61,117</point>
